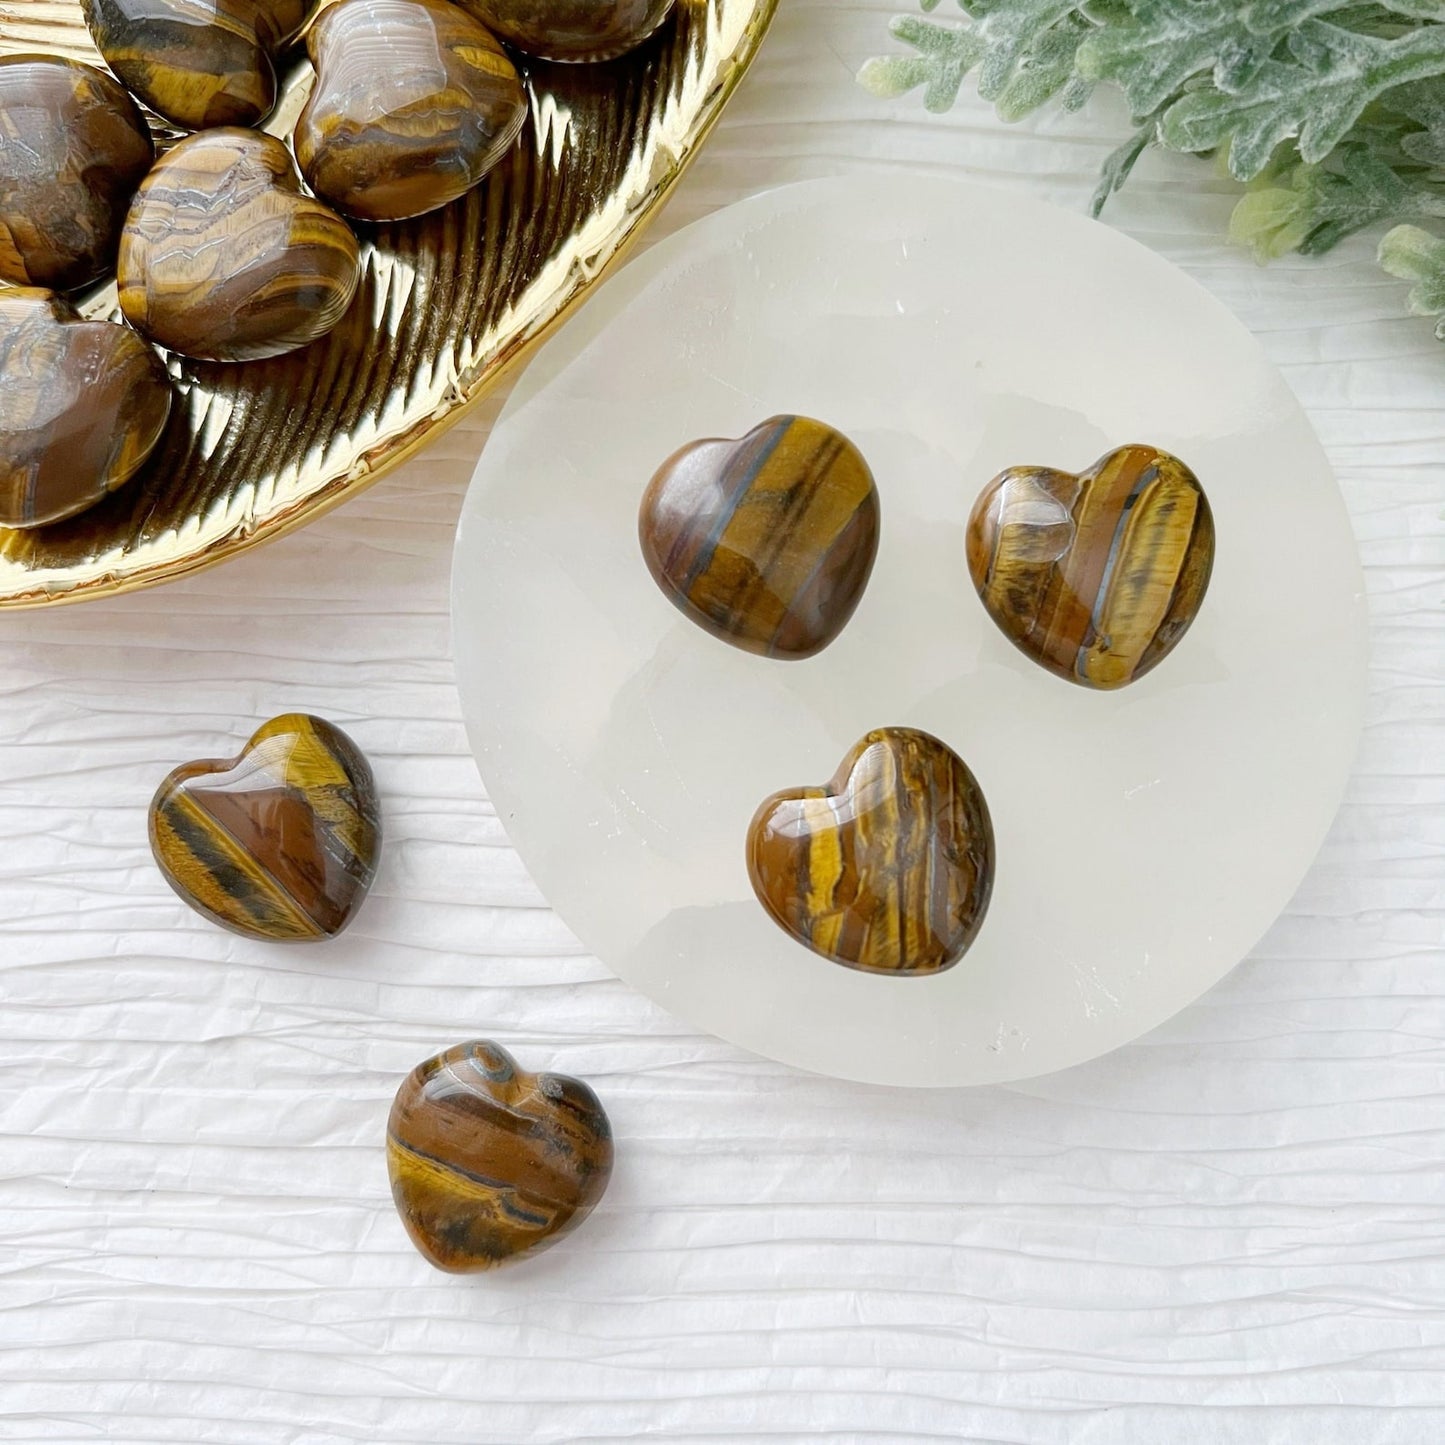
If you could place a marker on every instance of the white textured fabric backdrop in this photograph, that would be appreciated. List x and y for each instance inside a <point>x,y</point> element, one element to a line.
<point>1233,1230</point>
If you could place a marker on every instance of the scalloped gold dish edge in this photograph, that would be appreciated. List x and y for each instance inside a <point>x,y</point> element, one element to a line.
<point>448,306</point>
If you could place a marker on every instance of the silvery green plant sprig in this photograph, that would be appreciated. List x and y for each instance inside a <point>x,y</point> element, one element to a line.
<point>1332,115</point>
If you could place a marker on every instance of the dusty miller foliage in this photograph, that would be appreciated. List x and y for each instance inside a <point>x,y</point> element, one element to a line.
<point>1332,114</point>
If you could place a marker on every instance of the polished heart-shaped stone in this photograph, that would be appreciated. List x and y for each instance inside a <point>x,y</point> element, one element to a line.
<point>889,867</point>
<point>82,405</point>
<point>572,30</point>
<point>279,842</point>
<point>198,63</point>
<point>767,542</point>
<point>489,1163</point>
<point>414,103</point>
<point>224,259</point>
<point>73,148</point>
<point>1095,576</point>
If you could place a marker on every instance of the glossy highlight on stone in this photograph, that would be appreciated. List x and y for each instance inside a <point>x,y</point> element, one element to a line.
<point>572,30</point>
<point>224,259</point>
<point>489,1163</point>
<point>82,406</point>
<point>73,148</point>
<point>767,542</point>
<point>1095,576</point>
<point>414,103</point>
<point>278,843</point>
<point>888,868</point>
<point>198,63</point>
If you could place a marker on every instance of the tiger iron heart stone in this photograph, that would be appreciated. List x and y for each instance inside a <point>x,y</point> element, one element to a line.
<point>198,63</point>
<point>82,406</point>
<point>572,30</point>
<point>279,843</point>
<point>489,1163</point>
<point>888,868</point>
<point>767,542</point>
<point>414,103</point>
<point>224,259</point>
<point>73,148</point>
<point>1095,576</point>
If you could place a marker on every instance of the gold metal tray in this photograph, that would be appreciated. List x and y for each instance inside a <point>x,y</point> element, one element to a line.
<point>446,304</point>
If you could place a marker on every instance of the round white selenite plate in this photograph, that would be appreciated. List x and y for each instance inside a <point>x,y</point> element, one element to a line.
<point>1145,838</point>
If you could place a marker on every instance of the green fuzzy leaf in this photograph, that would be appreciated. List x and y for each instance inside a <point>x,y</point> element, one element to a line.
<point>1311,208</point>
<point>1423,105</point>
<point>1024,51</point>
<point>1332,110</point>
<point>1167,43</point>
<point>945,55</point>
<point>1414,254</point>
<point>1273,16</point>
<point>1016,32</point>
<point>1271,222</point>
<point>1041,70</point>
<point>1119,164</point>
<point>1317,95</point>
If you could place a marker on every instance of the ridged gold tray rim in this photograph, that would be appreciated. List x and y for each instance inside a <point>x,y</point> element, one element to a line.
<point>448,306</point>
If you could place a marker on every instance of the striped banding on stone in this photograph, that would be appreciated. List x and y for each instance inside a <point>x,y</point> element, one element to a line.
<point>767,542</point>
<point>278,843</point>
<point>1095,576</point>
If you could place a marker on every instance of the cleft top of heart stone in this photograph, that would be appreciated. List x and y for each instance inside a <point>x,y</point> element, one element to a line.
<point>766,542</point>
<point>1095,576</point>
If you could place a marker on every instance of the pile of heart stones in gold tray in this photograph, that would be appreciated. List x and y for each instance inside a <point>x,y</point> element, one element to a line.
<point>218,251</point>
<point>767,543</point>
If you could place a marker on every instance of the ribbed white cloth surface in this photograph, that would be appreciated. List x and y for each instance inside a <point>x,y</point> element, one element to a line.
<point>1232,1231</point>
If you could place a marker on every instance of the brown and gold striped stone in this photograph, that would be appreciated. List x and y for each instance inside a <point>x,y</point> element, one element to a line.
<point>767,542</point>
<point>889,867</point>
<point>82,406</point>
<point>1095,576</point>
<point>198,63</point>
<point>224,259</point>
<point>279,842</point>
<point>489,1163</point>
<point>414,103</point>
<point>73,148</point>
<point>572,30</point>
